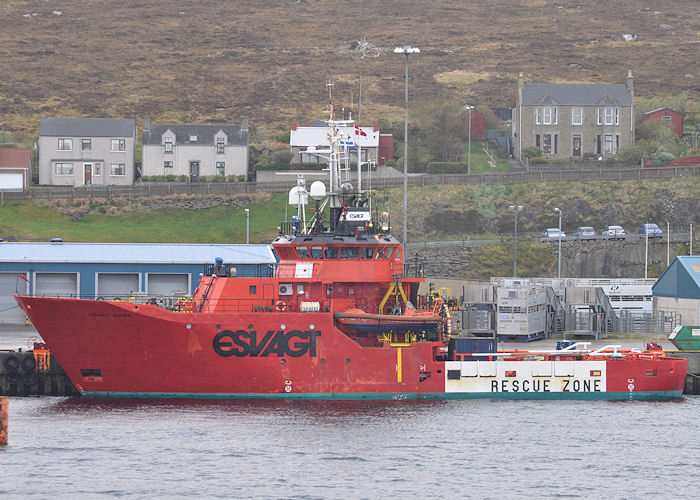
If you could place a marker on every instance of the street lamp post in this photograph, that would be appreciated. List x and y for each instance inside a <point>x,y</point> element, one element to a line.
<point>515,210</point>
<point>646,251</point>
<point>247,226</point>
<point>469,133</point>
<point>558,210</point>
<point>406,49</point>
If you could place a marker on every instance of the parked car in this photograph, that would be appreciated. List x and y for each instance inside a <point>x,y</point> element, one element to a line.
<point>615,232</point>
<point>650,229</point>
<point>552,234</point>
<point>585,233</point>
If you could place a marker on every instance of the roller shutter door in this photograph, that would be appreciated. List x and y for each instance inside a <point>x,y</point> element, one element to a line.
<point>11,283</point>
<point>115,285</point>
<point>56,284</point>
<point>11,181</point>
<point>168,284</point>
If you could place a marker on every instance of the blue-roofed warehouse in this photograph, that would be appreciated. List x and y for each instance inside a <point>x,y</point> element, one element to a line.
<point>678,289</point>
<point>112,270</point>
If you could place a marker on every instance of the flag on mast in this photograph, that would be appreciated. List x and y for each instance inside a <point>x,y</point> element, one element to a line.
<point>359,131</point>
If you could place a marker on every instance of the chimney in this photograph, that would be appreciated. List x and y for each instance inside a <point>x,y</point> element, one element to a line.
<point>630,82</point>
<point>521,82</point>
<point>244,125</point>
<point>376,126</point>
<point>294,124</point>
<point>147,124</point>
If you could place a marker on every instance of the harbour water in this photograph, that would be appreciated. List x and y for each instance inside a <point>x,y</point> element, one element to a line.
<point>80,447</point>
<point>77,447</point>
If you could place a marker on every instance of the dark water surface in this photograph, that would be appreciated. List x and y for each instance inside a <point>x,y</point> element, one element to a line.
<point>83,447</point>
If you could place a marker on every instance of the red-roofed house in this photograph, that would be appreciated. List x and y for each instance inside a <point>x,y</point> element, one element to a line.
<point>15,167</point>
<point>673,118</point>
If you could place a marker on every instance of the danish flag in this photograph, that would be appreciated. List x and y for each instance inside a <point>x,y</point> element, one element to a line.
<point>359,131</point>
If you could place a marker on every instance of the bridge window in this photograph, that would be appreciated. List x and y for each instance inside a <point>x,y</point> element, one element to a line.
<point>367,252</point>
<point>316,252</point>
<point>331,252</point>
<point>349,252</point>
<point>389,251</point>
<point>380,253</point>
<point>303,252</point>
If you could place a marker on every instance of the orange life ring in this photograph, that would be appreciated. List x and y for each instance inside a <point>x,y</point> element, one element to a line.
<point>280,306</point>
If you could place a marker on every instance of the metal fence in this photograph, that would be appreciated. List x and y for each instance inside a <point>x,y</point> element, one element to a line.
<point>626,322</point>
<point>228,188</point>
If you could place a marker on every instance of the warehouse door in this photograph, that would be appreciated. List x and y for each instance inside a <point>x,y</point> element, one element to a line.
<point>10,284</point>
<point>117,285</point>
<point>56,284</point>
<point>168,284</point>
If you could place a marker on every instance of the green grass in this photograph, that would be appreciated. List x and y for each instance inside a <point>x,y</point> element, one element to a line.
<point>480,162</point>
<point>22,220</point>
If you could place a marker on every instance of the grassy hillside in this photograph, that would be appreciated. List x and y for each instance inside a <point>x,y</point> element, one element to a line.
<point>213,61</point>
<point>434,212</point>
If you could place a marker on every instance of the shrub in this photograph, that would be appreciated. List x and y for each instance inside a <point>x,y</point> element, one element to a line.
<point>445,167</point>
<point>531,152</point>
<point>662,158</point>
<point>538,160</point>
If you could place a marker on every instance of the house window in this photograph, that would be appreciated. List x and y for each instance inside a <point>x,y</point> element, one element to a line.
<point>168,167</point>
<point>118,169</point>
<point>608,145</point>
<point>537,140</point>
<point>193,138</point>
<point>577,116</point>
<point>86,144</point>
<point>546,143</point>
<point>220,168</point>
<point>65,144</point>
<point>220,145</point>
<point>617,142</point>
<point>169,145</point>
<point>546,115</point>
<point>98,169</point>
<point>666,118</point>
<point>118,145</point>
<point>556,143</point>
<point>309,157</point>
<point>64,169</point>
<point>609,116</point>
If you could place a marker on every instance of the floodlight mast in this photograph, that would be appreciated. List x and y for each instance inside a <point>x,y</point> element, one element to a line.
<point>406,49</point>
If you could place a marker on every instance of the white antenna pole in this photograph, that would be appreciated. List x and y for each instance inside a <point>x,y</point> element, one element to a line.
<point>359,102</point>
<point>359,160</point>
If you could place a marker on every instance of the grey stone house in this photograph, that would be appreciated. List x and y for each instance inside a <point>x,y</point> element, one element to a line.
<point>573,121</point>
<point>195,150</point>
<point>84,151</point>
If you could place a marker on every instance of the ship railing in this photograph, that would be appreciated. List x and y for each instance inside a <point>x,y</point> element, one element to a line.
<point>279,305</point>
<point>230,271</point>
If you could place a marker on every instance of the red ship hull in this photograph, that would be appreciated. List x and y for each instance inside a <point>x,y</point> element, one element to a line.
<point>135,350</point>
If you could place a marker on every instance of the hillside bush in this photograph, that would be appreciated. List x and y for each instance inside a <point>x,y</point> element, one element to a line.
<point>446,167</point>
